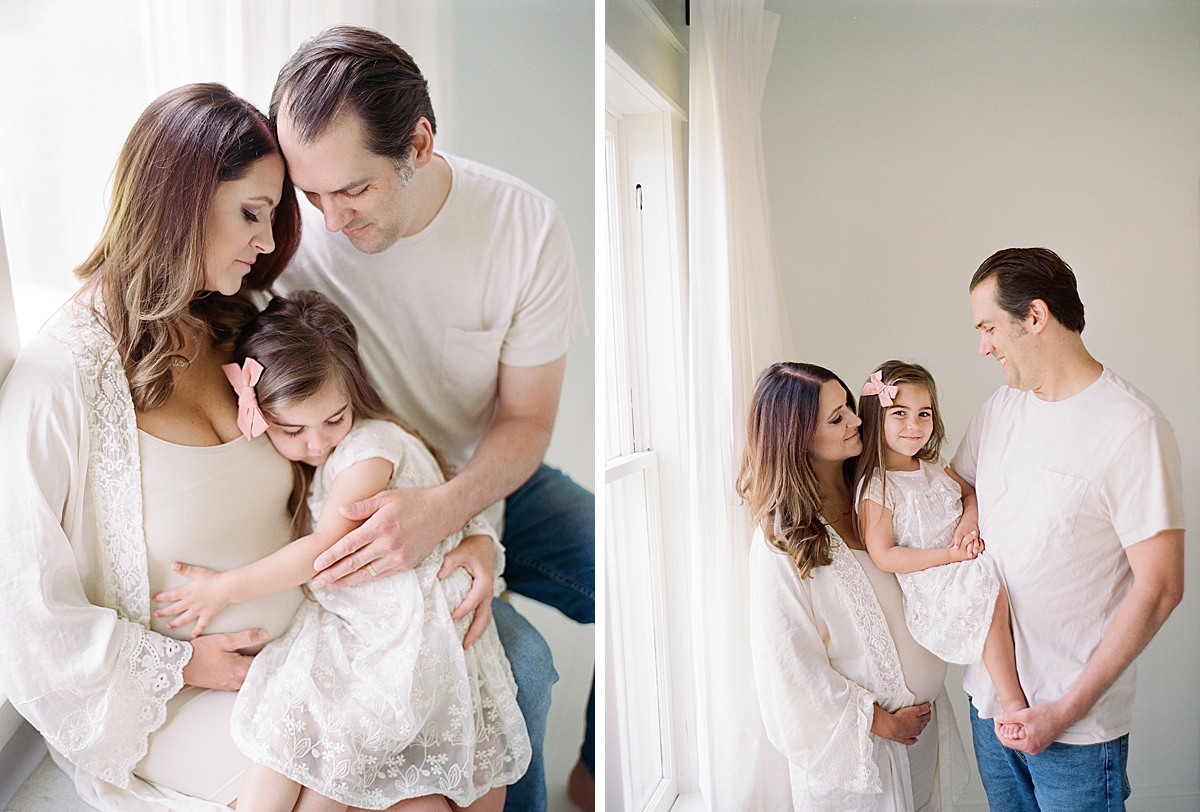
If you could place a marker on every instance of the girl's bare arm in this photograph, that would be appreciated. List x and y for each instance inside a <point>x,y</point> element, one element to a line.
<point>208,592</point>
<point>891,557</point>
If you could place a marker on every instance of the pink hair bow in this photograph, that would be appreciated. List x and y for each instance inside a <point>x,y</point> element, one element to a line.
<point>250,418</point>
<point>876,386</point>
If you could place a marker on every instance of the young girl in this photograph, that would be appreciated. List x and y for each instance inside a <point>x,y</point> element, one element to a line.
<point>369,698</point>
<point>919,520</point>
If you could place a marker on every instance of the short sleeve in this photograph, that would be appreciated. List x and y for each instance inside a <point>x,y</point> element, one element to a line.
<point>550,315</point>
<point>412,463</point>
<point>1142,489</point>
<point>875,491</point>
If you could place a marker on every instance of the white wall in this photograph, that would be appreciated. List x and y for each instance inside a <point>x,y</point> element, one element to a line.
<point>906,143</point>
<point>522,88</point>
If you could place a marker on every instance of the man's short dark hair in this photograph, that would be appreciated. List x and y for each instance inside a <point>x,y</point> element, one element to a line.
<point>1025,274</point>
<point>348,69</point>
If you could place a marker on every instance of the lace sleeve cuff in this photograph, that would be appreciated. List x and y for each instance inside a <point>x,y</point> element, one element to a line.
<point>849,760</point>
<point>106,731</point>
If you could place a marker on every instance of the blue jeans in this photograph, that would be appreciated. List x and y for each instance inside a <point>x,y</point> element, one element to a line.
<point>550,547</point>
<point>533,669</point>
<point>1062,778</point>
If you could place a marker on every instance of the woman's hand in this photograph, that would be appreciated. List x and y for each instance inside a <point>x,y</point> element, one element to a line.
<point>199,599</point>
<point>477,556</point>
<point>216,663</point>
<point>902,726</point>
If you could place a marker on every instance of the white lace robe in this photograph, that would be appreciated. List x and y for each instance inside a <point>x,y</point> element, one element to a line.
<point>823,657</point>
<point>77,658</point>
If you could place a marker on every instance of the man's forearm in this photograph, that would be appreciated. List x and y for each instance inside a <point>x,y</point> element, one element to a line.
<point>1157,565</point>
<point>1138,618</point>
<point>503,461</point>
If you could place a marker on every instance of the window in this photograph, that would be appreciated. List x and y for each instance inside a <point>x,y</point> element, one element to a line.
<point>647,766</point>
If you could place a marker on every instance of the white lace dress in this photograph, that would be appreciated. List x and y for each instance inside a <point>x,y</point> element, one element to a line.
<point>949,608</point>
<point>369,698</point>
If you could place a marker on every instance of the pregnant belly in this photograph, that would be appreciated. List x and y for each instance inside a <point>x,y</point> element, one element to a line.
<point>272,612</point>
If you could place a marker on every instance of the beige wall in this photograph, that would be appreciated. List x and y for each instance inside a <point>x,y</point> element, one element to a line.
<point>904,145</point>
<point>523,98</point>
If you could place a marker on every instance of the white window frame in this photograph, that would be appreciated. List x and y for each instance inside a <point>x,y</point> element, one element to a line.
<point>645,140</point>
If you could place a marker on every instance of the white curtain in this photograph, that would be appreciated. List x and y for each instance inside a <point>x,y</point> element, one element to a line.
<point>737,328</point>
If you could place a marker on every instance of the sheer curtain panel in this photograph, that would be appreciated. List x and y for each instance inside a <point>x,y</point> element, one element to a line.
<point>737,328</point>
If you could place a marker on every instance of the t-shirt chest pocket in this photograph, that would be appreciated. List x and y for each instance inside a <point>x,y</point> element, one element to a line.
<point>1054,503</point>
<point>470,363</point>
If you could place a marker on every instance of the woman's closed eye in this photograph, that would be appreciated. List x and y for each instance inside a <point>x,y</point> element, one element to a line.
<point>250,216</point>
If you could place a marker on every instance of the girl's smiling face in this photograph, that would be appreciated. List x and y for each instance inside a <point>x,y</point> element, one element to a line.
<point>310,430</point>
<point>907,426</point>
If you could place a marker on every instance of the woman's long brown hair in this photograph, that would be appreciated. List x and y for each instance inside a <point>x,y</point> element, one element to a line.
<point>777,479</point>
<point>872,413</point>
<point>148,268</point>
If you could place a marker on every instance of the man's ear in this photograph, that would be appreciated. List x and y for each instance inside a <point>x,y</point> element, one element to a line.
<point>1038,316</point>
<point>422,143</point>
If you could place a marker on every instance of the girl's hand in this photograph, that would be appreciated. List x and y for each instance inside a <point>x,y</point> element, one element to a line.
<point>200,599</point>
<point>966,548</point>
<point>968,527</point>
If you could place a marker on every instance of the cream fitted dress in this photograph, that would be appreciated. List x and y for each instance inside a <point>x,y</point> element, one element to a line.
<point>219,507</point>
<point>949,608</point>
<point>369,698</point>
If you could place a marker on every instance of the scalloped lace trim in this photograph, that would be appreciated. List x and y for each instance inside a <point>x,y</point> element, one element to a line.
<point>108,734</point>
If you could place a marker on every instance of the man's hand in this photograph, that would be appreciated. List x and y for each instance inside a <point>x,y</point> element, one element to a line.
<point>1041,726</point>
<point>478,557</point>
<point>401,528</point>
<point>216,662</point>
<point>902,726</point>
<point>1157,565</point>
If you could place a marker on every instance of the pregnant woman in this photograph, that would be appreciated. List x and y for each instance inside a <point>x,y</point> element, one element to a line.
<point>847,695</point>
<point>120,453</point>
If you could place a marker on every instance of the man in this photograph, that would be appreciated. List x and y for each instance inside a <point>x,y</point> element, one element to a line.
<point>1078,479</point>
<point>462,284</point>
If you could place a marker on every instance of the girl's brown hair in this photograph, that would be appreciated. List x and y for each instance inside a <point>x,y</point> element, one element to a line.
<point>148,269</point>
<point>776,478</point>
<point>872,413</point>
<point>303,342</point>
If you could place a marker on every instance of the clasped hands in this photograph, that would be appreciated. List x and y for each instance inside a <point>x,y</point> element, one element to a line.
<point>966,539</point>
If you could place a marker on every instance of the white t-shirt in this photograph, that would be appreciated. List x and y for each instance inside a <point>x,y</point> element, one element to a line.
<point>1064,487</point>
<point>490,280</point>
